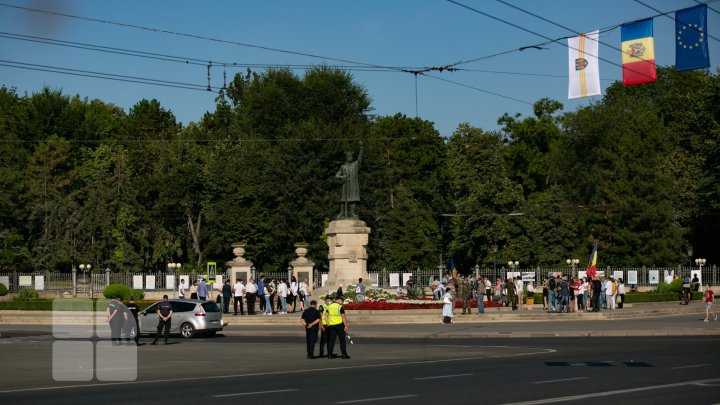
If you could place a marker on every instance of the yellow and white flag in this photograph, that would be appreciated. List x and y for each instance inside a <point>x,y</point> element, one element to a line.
<point>583,67</point>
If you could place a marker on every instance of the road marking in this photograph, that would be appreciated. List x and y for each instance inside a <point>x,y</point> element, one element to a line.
<point>253,393</point>
<point>609,393</point>
<point>300,371</point>
<point>354,401</point>
<point>564,379</point>
<point>442,376</point>
<point>692,366</point>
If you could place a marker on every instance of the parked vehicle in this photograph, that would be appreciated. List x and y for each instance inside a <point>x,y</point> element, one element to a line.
<point>189,318</point>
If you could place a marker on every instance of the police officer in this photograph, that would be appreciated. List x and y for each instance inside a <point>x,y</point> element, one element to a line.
<point>164,312</point>
<point>324,331</point>
<point>310,320</point>
<point>337,323</point>
<point>131,323</point>
<point>115,319</point>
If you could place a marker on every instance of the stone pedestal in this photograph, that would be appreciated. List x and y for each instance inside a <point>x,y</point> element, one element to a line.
<point>347,240</point>
<point>302,267</point>
<point>239,267</point>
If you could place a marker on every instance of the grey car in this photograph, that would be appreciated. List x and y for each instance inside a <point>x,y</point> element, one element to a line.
<point>189,318</point>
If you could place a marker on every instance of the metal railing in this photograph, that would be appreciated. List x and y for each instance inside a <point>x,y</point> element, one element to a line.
<point>96,282</point>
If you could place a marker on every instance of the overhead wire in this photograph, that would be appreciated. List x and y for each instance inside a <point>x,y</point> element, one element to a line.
<point>672,18</point>
<point>706,3</point>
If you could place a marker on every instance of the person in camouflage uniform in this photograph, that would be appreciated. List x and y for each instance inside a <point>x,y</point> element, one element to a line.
<point>512,296</point>
<point>465,292</point>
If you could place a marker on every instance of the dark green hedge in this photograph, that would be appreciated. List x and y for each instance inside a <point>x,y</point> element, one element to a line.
<point>3,289</point>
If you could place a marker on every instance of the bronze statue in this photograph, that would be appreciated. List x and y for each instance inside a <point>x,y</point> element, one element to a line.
<point>350,193</point>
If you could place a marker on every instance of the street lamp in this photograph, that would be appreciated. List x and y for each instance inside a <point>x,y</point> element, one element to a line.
<point>572,263</point>
<point>477,270</point>
<point>173,266</point>
<point>495,249</point>
<point>85,268</point>
<point>700,263</point>
<point>290,271</point>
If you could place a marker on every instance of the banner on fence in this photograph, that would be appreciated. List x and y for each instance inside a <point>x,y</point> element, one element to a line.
<point>617,274</point>
<point>373,279</point>
<point>138,282</point>
<point>25,281</point>
<point>394,279</point>
<point>5,280</point>
<point>39,283</point>
<point>528,276</point>
<point>149,282</point>
<point>169,282</point>
<point>218,282</point>
<point>512,274</point>
<point>406,277</point>
<point>653,276</point>
<point>632,277</point>
<point>582,273</point>
<point>323,279</point>
<point>186,281</point>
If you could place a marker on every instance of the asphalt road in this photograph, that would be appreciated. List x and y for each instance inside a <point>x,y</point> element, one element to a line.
<point>591,370</point>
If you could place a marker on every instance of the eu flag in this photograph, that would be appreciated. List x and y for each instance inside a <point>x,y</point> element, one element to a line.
<point>691,45</point>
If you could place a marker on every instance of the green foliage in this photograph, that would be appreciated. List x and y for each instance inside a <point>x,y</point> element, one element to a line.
<point>26,294</point>
<point>114,290</point>
<point>631,298</point>
<point>3,289</point>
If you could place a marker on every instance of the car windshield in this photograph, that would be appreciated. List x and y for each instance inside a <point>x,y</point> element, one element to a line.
<point>210,307</point>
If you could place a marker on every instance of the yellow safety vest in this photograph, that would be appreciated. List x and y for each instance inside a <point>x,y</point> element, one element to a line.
<point>334,316</point>
<point>324,310</point>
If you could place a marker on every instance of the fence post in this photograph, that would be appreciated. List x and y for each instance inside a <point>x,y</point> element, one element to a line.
<point>107,276</point>
<point>74,281</point>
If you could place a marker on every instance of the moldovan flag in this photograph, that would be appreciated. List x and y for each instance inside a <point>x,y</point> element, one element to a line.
<point>691,45</point>
<point>638,48</point>
<point>583,67</point>
<point>592,265</point>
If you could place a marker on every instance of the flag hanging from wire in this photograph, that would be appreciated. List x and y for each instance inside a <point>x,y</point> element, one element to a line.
<point>592,265</point>
<point>691,45</point>
<point>583,66</point>
<point>638,52</point>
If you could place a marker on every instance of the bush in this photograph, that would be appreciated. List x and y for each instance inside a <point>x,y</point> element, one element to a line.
<point>3,289</point>
<point>137,295</point>
<point>26,294</point>
<point>113,290</point>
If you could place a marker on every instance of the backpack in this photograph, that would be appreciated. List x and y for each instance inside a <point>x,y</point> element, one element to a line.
<point>551,284</point>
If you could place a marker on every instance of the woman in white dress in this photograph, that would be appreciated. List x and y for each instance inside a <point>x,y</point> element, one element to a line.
<point>447,311</point>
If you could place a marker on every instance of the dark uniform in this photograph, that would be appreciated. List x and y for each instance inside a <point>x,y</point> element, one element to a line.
<point>336,325</point>
<point>226,293</point>
<point>131,323</point>
<point>164,310</point>
<point>311,320</point>
<point>115,318</point>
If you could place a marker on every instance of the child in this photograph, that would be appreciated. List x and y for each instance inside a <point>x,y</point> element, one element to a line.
<point>708,300</point>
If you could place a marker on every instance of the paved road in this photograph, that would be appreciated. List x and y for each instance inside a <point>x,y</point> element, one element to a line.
<point>438,370</point>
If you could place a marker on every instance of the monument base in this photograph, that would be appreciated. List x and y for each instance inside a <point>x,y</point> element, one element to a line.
<point>347,240</point>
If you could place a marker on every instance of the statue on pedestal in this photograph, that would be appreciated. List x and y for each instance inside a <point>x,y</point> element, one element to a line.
<point>350,192</point>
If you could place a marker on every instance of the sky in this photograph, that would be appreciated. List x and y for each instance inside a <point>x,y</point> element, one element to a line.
<point>369,38</point>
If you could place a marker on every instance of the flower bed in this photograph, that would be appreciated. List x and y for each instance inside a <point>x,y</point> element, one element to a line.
<point>408,304</point>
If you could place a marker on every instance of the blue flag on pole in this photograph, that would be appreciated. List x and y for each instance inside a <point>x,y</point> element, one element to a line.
<point>691,41</point>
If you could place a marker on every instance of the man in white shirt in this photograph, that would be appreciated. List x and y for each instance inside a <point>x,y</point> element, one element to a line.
<point>519,291</point>
<point>609,294</point>
<point>251,290</point>
<point>238,294</point>
<point>282,291</point>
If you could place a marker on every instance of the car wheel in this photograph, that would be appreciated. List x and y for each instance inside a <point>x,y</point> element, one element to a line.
<point>187,330</point>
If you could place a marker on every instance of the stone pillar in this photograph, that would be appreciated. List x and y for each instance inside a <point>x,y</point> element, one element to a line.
<point>302,267</point>
<point>347,240</point>
<point>239,267</point>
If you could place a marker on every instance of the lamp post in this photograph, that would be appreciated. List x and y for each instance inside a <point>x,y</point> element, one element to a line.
<point>477,270</point>
<point>572,263</point>
<point>85,268</point>
<point>254,275</point>
<point>513,265</point>
<point>495,249</point>
<point>290,272</point>
<point>173,266</point>
<point>700,263</point>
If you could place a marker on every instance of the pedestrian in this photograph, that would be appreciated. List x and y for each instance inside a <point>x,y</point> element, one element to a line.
<point>447,311</point>
<point>324,331</point>
<point>226,295</point>
<point>551,291</point>
<point>193,291</point>
<point>621,293</point>
<point>238,295</point>
<point>132,319</point>
<point>303,293</point>
<point>519,292</point>
<point>708,299</point>
<point>164,312</point>
<point>480,294</point>
<point>181,289</point>
<point>202,290</point>
<point>282,293</point>
<point>488,289</point>
<point>511,294</point>
<point>261,293</point>
<point>360,291</point>
<point>581,289</point>
<point>251,290</point>
<point>609,293</point>
<point>339,292</point>
<point>115,319</point>
<point>438,290</point>
<point>267,307</point>
<point>564,295</point>
<point>465,294</point>
<point>310,319</point>
<point>272,291</point>
<point>293,293</point>
<point>686,289</point>
<point>596,293</point>
<point>338,325</point>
